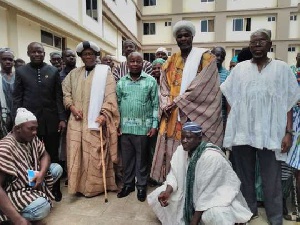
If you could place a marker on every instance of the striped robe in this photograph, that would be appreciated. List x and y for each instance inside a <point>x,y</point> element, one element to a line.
<point>15,159</point>
<point>83,145</point>
<point>201,103</point>
<point>121,70</point>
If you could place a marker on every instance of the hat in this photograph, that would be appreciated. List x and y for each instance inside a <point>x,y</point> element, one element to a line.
<point>158,60</point>
<point>162,49</point>
<point>55,53</point>
<point>86,45</point>
<point>192,127</point>
<point>23,116</point>
<point>184,24</point>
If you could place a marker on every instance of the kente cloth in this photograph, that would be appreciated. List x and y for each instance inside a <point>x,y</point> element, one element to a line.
<point>83,145</point>
<point>15,159</point>
<point>216,190</point>
<point>201,103</point>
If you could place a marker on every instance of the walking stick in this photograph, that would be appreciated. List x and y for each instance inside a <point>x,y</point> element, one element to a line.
<point>103,165</point>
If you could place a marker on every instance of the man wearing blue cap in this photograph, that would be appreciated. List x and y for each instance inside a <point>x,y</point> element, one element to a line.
<point>201,185</point>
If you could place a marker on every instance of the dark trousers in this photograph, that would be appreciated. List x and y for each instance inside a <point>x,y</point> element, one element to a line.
<point>244,158</point>
<point>134,159</point>
<point>51,142</point>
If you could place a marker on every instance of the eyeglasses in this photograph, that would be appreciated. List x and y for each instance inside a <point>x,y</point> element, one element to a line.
<point>259,42</point>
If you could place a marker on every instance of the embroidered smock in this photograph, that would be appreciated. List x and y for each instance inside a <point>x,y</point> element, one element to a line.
<point>259,104</point>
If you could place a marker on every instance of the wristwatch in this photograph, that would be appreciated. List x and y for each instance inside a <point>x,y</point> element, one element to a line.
<point>291,132</point>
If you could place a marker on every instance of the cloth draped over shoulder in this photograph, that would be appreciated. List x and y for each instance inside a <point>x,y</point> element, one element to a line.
<point>200,98</point>
<point>83,144</point>
<point>216,189</point>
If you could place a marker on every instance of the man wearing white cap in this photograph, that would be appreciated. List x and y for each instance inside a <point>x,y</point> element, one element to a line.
<point>189,89</point>
<point>201,186</point>
<point>23,199</point>
<point>162,53</point>
<point>90,94</point>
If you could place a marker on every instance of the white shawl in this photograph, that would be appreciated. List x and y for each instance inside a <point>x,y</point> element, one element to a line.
<point>97,95</point>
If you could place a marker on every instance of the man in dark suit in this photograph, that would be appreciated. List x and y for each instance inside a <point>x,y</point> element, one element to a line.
<point>38,89</point>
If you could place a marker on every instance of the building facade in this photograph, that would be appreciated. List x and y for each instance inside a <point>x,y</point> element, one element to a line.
<point>226,23</point>
<point>61,24</point>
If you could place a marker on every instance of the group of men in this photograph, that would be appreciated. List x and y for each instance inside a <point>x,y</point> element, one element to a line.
<point>195,109</point>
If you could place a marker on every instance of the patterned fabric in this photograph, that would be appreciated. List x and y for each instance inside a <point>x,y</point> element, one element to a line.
<point>189,209</point>
<point>15,159</point>
<point>223,73</point>
<point>121,70</point>
<point>294,154</point>
<point>201,103</point>
<point>83,145</point>
<point>138,104</point>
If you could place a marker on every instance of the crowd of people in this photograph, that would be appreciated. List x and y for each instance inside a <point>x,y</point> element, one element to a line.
<point>216,143</point>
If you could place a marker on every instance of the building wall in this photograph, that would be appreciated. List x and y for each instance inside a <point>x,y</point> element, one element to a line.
<point>3,25</point>
<point>253,4</point>
<point>161,7</point>
<point>125,10</point>
<point>198,6</point>
<point>64,6</point>
<point>163,34</point>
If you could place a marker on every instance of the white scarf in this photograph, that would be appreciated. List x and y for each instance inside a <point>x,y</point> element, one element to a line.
<point>97,95</point>
<point>191,67</point>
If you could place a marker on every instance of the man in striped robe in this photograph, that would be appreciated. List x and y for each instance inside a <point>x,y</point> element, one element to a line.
<point>23,200</point>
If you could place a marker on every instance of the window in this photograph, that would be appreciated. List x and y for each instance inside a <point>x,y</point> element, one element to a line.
<point>149,57</point>
<point>168,24</point>
<point>271,49</point>
<point>271,18</point>
<point>207,25</point>
<point>52,40</point>
<point>207,0</point>
<point>149,2</point>
<point>242,24</point>
<point>92,9</point>
<point>169,53</point>
<point>236,51</point>
<point>291,49</point>
<point>149,28</point>
<point>293,17</point>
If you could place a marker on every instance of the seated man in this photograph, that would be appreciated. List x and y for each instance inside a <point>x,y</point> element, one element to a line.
<point>23,200</point>
<point>201,186</point>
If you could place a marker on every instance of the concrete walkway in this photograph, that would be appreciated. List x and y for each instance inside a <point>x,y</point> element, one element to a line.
<point>74,210</point>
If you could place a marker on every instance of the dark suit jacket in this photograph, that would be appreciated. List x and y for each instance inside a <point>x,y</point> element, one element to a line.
<point>39,90</point>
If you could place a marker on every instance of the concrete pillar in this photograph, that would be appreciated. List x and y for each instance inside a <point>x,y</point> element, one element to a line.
<point>220,28</point>
<point>283,20</point>
<point>284,3</point>
<point>12,30</point>
<point>282,51</point>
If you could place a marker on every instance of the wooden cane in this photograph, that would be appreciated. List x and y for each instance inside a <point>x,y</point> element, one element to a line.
<point>103,165</point>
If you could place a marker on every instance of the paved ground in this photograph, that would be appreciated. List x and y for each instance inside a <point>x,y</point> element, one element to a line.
<point>126,211</point>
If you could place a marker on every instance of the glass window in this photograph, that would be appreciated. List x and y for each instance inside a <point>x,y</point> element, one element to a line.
<point>92,9</point>
<point>237,25</point>
<point>149,28</point>
<point>207,26</point>
<point>46,38</point>
<point>149,2</point>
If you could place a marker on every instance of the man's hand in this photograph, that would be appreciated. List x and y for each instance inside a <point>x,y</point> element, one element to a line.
<point>101,120</point>
<point>22,221</point>
<point>62,126</point>
<point>38,179</point>
<point>163,198</point>
<point>286,143</point>
<point>76,113</point>
<point>168,109</point>
<point>152,132</point>
<point>119,131</point>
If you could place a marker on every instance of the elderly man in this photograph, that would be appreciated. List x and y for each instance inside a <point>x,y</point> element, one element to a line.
<point>189,90</point>
<point>90,95</point>
<point>7,88</point>
<point>38,88</point>
<point>120,71</point>
<point>56,60</point>
<point>162,53</point>
<point>261,93</point>
<point>23,200</point>
<point>107,60</point>
<point>201,186</point>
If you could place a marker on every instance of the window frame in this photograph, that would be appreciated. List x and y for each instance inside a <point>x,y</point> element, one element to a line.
<point>90,12</point>
<point>207,26</point>
<point>54,38</point>
<point>149,29</point>
<point>271,19</point>
<point>149,3</point>
<point>246,24</point>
